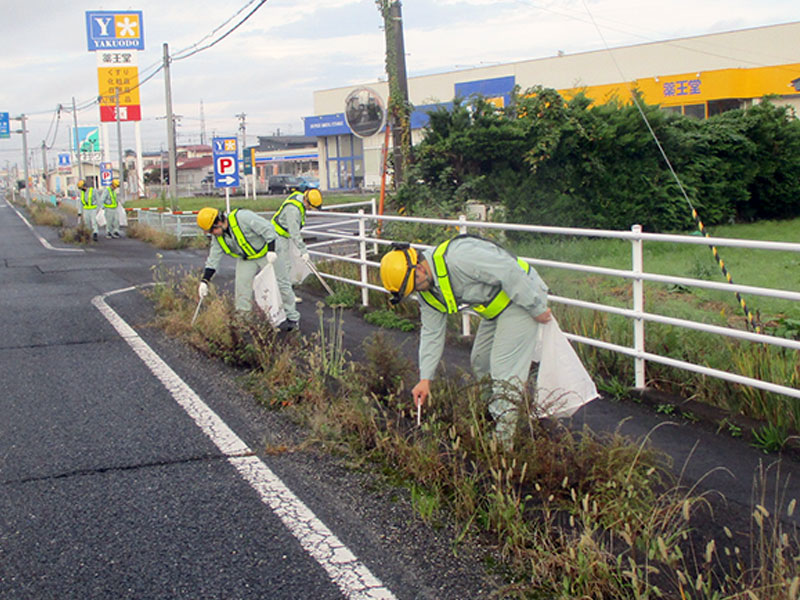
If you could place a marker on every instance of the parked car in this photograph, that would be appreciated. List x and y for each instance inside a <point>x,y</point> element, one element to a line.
<point>311,182</point>
<point>283,184</point>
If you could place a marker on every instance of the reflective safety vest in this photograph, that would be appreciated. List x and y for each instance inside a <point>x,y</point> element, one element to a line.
<point>87,200</point>
<point>112,199</point>
<point>292,199</point>
<point>250,253</point>
<point>490,310</point>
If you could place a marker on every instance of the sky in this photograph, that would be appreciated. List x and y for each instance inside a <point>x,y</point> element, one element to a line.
<point>269,66</point>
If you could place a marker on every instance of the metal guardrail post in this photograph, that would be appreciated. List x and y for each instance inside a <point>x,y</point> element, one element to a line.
<point>466,326</point>
<point>374,214</point>
<point>638,307</point>
<point>362,252</point>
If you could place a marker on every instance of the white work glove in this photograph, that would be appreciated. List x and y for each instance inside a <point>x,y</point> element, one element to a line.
<point>304,255</point>
<point>272,257</point>
<point>202,290</point>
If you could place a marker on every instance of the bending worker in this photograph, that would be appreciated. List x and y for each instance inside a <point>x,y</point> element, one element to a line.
<point>288,221</point>
<point>245,236</point>
<point>108,198</point>
<point>88,208</point>
<point>505,291</point>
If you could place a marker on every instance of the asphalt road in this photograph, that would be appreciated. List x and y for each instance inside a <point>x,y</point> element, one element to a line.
<point>109,488</point>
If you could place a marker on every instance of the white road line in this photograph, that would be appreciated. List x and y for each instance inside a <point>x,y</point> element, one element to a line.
<point>352,577</point>
<point>42,241</point>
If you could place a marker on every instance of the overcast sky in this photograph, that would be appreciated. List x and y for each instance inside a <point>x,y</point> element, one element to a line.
<point>269,67</point>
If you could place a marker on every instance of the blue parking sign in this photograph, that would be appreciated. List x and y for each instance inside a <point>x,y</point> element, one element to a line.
<point>226,162</point>
<point>5,129</point>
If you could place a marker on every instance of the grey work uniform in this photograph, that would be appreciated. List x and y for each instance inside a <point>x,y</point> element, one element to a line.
<point>503,346</point>
<point>88,210</point>
<point>290,218</point>
<point>258,232</point>
<point>108,199</point>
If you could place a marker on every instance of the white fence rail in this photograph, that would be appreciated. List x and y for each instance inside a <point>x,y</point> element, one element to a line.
<point>636,275</point>
<point>347,237</point>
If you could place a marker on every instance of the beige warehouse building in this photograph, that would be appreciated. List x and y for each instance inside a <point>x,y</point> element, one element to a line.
<point>698,76</point>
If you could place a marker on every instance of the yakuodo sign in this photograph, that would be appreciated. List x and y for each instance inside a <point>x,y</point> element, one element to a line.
<point>107,30</point>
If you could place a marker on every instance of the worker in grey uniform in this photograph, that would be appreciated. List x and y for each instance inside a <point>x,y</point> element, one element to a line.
<point>88,208</point>
<point>247,237</point>
<point>108,198</point>
<point>288,220</point>
<point>471,272</point>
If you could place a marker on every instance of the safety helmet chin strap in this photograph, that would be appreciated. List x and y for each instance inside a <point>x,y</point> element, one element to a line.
<point>398,296</point>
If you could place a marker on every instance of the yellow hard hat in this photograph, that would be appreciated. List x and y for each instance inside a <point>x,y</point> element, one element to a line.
<point>313,197</point>
<point>206,218</point>
<point>397,271</point>
<point>115,183</point>
<point>81,184</point>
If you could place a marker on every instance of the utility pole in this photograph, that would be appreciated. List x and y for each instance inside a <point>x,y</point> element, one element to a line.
<point>8,181</point>
<point>173,167</point>
<point>399,109</point>
<point>22,118</point>
<point>242,128</point>
<point>44,167</point>
<point>77,139</point>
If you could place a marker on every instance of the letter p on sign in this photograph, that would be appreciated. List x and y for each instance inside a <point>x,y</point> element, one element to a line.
<point>226,165</point>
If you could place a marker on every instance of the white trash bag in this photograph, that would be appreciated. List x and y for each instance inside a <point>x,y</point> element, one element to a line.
<point>122,216</point>
<point>268,296</point>
<point>562,385</point>
<point>100,217</point>
<point>298,269</point>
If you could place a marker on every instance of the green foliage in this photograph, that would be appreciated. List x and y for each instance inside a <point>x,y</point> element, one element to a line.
<point>570,163</point>
<point>389,320</point>
<point>770,438</point>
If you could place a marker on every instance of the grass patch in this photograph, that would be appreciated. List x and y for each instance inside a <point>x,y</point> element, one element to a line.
<point>163,240</point>
<point>389,320</point>
<point>572,514</point>
<point>261,204</point>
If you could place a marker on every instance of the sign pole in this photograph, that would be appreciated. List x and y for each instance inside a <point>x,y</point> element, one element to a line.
<point>227,200</point>
<point>121,169</point>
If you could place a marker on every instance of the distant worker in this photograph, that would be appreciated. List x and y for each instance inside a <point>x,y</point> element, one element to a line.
<point>471,272</point>
<point>88,208</point>
<point>108,198</point>
<point>288,221</point>
<point>245,236</point>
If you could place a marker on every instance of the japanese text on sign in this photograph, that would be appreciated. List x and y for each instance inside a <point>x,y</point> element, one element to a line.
<point>686,87</point>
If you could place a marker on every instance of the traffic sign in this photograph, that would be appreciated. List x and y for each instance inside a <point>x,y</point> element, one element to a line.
<point>226,162</point>
<point>106,173</point>
<point>5,129</point>
<point>64,163</point>
<point>248,157</point>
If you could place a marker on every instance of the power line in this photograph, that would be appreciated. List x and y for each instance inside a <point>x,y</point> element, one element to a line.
<point>222,37</point>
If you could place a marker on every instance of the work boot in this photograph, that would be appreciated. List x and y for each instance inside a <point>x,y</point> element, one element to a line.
<point>94,237</point>
<point>288,325</point>
<point>108,235</point>
<point>115,234</point>
<point>297,299</point>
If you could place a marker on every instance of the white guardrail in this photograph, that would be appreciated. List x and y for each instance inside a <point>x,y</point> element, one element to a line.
<point>348,237</point>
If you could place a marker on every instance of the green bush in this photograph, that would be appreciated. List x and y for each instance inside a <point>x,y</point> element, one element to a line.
<point>570,163</point>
